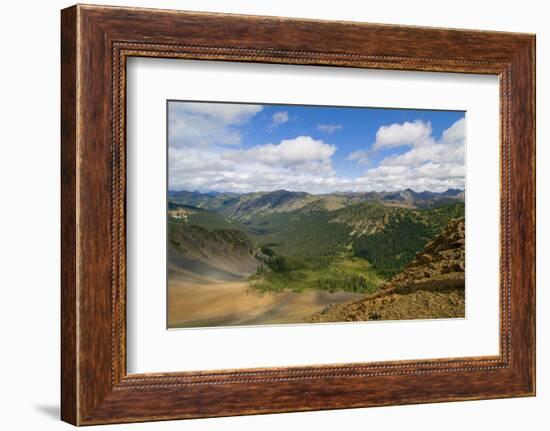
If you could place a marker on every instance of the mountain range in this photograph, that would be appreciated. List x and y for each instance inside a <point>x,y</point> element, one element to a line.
<point>249,205</point>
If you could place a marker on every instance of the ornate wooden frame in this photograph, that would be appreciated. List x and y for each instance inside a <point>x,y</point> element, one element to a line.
<point>95,42</point>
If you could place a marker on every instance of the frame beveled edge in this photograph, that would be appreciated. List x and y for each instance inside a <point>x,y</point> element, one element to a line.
<point>95,43</point>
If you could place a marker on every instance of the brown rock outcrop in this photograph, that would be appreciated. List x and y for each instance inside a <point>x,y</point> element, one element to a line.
<point>431,286</point>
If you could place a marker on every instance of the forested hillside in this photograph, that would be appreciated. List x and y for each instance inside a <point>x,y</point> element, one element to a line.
<point>299,241</point>
<point>390,249</point>
<point>431,286</point>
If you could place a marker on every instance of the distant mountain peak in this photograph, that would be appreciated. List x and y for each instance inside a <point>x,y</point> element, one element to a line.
<point>243,206</point>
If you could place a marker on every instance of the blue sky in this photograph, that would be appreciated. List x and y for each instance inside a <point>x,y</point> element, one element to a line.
<point>242,148</point>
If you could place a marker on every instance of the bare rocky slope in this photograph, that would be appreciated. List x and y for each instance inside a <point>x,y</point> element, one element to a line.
<point>225,254</point>
<point>431,286</point>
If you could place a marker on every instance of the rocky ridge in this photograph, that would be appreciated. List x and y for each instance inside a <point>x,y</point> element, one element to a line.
<point>431,286</point>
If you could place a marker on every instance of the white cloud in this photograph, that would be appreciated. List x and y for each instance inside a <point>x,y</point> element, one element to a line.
<point>431,176</point>
<point>302,163</point>
<point>415,134</point>
<point>278,118</point>
<point>362,157</point>
<point>226,113</point>
<point>329,128</point>
<point>289,152</point>
<point>305,164</point>
<point>202,124</point>
<point>456,134</point>
<point>430,164</point>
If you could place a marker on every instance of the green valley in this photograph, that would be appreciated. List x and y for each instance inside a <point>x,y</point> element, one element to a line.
<point>306,242</point>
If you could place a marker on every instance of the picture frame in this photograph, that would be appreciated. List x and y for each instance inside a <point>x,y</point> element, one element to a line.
<point>96,42</point>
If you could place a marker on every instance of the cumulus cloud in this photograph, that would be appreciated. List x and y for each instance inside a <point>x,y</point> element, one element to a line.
<point>430,164</point>
<point>302,163</point>
<point>202,124</point>
<point>329,128</point>
<point>361,156</point>
<point>415,134</point>
<point>430,176</point>
<point>289,152</point>
<point>211,159</point>
<point>278,118</point>
<point>456,134</point>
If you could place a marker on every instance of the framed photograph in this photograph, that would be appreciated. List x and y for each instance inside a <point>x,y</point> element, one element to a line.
<point>265,215</point>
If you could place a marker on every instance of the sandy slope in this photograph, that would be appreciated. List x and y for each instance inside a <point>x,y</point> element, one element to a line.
<point>197,300</point>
